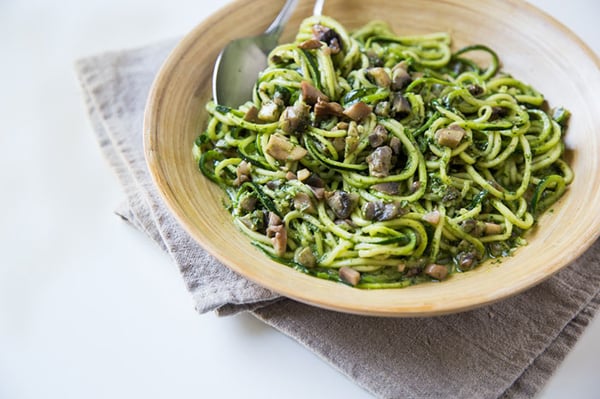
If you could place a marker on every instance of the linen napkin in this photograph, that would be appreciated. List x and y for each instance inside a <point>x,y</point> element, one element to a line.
<point>508,349</point>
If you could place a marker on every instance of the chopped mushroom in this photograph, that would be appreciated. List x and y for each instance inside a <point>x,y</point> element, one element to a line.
<point>242,173</point>
<point>395,145</point>
<point>400,76</point>
<point>432,217</point>
<point>280,148</point>
<point>380,161</point>
<point>380,77</point>
<point>349,275</point>
<point>310,94</point>
<point>391,188</point>
<point>306,257</point>
<point>310,44</point>
<point>378,136</point>
<point>325,108</point>
<point>466,260</point>
<point>277,232</point>
<point>475,90</point>
<point>303,174</point>
<point>400,106</point>
<point>342,203</point>
<point>252,115</point>
<point>295,118</point>
<point>302,202</point>
<point>357,111</point>
<point>328,36</point>
<point>450,136</point>
<point>438,272</point>
<point>380,211</point>
<point>269,112</point>
<point>248,203</point>
<point>492,228</point>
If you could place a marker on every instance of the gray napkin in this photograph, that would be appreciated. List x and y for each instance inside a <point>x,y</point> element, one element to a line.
<point>508,349</point>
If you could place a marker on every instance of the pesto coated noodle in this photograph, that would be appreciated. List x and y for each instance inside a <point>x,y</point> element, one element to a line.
<point>383,161</point>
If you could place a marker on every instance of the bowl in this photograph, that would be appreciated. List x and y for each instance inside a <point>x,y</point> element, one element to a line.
<point>531,45</point>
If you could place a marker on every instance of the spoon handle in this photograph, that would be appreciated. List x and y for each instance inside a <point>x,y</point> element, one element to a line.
<point>280,20</point>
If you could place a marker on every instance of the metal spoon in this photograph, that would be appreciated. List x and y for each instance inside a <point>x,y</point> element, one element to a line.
<point>240,62</point>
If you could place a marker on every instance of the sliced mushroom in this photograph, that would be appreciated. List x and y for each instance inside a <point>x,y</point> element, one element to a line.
<point>395,145</point>
<point>295,118</point>
<point>400,76</point>
<point>380,161</point>
<point>325,108</point>
<point>315,181</point>
<point>378,136</point>
<point>289,175</point>
<point>303,174</point>
<point>306,257</point>
<point>342,203</point>
<point>382,108</point>
<point>310,44</point>
<point>303,203</point>
<point>242,173</point>
<point>432,217</point>
<point>349,275</point>
<point>248,203</point>
<point>252,115</point>
<point>310,94</point>
<point>492,228</point>
<point>450,136</point>
<point>380,211</point>
<point>379,76</point>
<point>280,148</point>
<point>438,272</point>
<point>269,112</point>
<point>391,188</point>
<point>358,111</point>
<point>328,36</point>
<point>475,90</point>
<point>400,106</point>
<point>277,232</point>
<point>466,260</point>
<point>498,112</point>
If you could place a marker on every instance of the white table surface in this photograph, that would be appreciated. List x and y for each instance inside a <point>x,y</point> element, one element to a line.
<point>90,308</point>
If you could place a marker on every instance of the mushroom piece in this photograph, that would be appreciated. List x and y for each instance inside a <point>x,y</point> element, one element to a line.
<point>248,203</point>
<point>380,211</point>
<point>379,76</point>
<point>310,94</point>
<point>391,188</point>
<point>432,217</point>
<point>277,232</point>
<point>438,272</point>
<point>401,108</point>
<point>303,174</point>
<point>358,111</point>
<point>280,148</point>
<point>378,136</point>
<point>269,112</point>
<point>325,108</point>
<point>466,260</point>
<point>492,228</point>
<point>395,145</point>
<point>252,115</point>
<point>342,203</point>
<point>311,44</point>
<point>400,76</point>
<point>306,257</point>
<point>242,173</point>
<point>328,36</point>
<point>349,275</point>
<point>475,90</point>
<point>450,136</point>
<point>295,118</point>
<point>380,161</point>
<point>303,203</point>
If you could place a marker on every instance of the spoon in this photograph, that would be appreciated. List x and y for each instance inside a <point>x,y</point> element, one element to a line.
<point>240,62</point>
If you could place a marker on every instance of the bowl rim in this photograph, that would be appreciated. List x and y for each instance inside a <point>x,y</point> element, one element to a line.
<point>154,106</point>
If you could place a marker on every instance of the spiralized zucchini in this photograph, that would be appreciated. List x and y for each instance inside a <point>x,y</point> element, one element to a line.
<point>383,161</point>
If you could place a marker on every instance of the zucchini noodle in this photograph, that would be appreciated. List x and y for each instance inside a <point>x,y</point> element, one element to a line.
<point>383,161</point>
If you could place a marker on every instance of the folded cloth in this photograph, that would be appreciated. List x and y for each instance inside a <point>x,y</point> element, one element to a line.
<point>508,349</point>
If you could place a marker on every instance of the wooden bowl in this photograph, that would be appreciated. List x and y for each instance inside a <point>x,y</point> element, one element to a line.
<point>532,46</point>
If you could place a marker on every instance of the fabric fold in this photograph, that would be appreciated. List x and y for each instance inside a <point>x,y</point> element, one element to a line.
<point>508,349</point>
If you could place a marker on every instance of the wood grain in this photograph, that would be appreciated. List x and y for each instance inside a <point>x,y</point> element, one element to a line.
<point>532,46</point>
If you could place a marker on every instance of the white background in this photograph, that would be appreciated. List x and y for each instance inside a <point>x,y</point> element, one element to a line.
<point>89,307</point>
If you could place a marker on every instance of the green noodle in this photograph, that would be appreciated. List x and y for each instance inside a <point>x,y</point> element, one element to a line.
<point>451,204</point>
